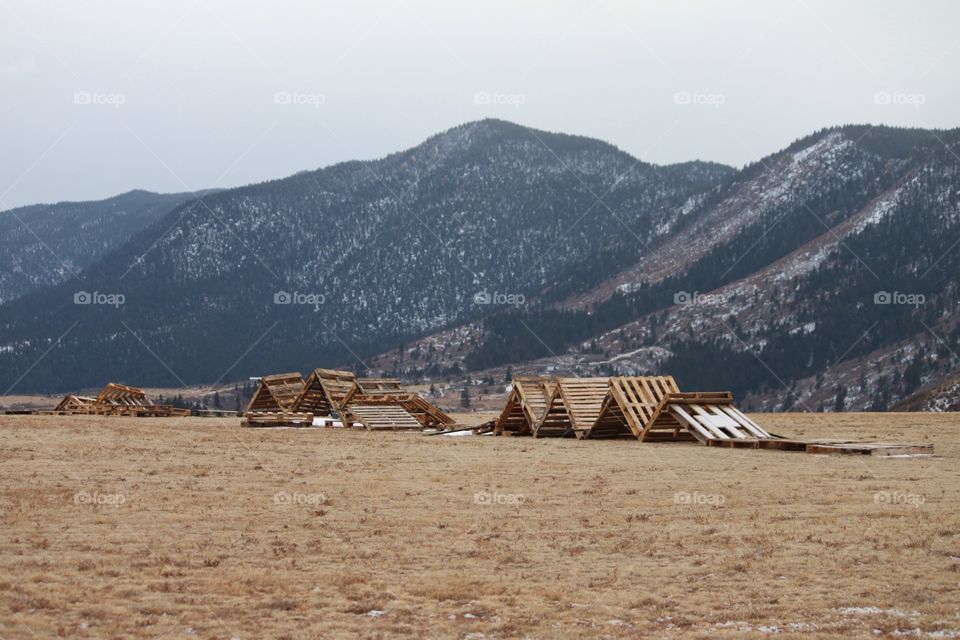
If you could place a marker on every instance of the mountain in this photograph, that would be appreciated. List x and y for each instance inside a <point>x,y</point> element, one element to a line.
<point>822,277</point>
<point>45,244</point>
<point>338,264</point>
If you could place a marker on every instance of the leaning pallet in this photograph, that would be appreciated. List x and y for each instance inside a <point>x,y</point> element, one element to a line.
<point>526,404</point>
<point>119,395</point>
<point>428,415</point>
<point>324,391</point>
<point>633,405</point>
<point>276,393</point>
<point>390,391</point>
<point>381,414</point>
<point>273,400</point>
<point>573,407</point>
<point>711,418</point>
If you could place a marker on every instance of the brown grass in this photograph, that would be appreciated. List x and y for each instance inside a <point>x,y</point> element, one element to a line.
<point>114,527</point>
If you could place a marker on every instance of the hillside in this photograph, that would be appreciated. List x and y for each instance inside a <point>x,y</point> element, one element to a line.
<point>771,290</point>
<point>821,277</point>
<point>382,252</point>
<point>42,245</point>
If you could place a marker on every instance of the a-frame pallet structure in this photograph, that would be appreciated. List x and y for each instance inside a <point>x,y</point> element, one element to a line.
<point>633,404</point>
<point>525,405</point>
<point>572,408</point>
<point>272,402</point>
<point>324,391</point>
<point>276,393</point>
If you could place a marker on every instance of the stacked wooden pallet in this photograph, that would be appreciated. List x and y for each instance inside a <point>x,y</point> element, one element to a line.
<point>341,397</point>
<point>115,400</point>
<point>653,409</point>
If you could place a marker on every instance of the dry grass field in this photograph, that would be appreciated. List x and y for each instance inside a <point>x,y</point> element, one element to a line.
<point>198,528</point>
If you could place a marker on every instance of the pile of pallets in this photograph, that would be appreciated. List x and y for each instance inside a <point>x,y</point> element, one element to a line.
<point>652,409</point>
<point>339,397</point>
<point>115,400</point>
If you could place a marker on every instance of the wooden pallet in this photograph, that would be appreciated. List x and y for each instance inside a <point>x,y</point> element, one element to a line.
<point>711,416</point>
<point>879,449</point>
<point>324,391</point>
<point>73,403</point>
<point>426,413</point>
<point>377,414</point>
<point>386,391</point>
<point>371,385</point>
<point>276,419</point>
<point>573,407</point>
<point>276,393</point>
<point>115,400</point>
<point>525,405</point>
<point>121,395</point>
<point>780,444</point>
<point>216,413</point>
<point>632,408</point>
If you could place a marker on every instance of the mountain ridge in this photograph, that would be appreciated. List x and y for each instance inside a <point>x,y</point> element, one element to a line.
<point>595,242</point>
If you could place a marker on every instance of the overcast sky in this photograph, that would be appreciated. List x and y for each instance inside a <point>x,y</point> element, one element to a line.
<point>98,98</point>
